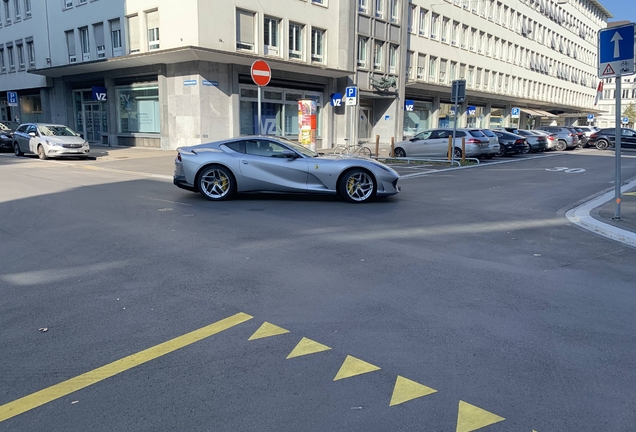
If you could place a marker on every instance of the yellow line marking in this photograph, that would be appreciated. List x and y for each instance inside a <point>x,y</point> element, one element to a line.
<point>470,418</point>
<point>406,390</point>
<point>267,330</point>
<point>307,346</point>
<point>353,366</point>
<point>64,388</point>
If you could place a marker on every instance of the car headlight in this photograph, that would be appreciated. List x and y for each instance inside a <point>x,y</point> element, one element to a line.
<point>3,136</point>
<point>51,143</point>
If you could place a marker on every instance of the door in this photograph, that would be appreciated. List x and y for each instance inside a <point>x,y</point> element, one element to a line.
<point>419,145</point>
<point>20,137</point>
<point>438,146</point>
<point>92,122</point>
<point>33,141</point>
<point>365,124</point>
<point>265,169</point>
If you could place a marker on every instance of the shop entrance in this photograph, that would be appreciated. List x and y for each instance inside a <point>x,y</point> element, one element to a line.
<point>91,119</point>
<point>365,123</point>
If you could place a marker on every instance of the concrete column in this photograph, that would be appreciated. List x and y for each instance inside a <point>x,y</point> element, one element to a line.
<point>435,112</point>
<point>487,110</point>
<point>164,111</point>
<point>507,117</point>
<point>112,103</point>
<point>463,115</point>
<point>46,105</point>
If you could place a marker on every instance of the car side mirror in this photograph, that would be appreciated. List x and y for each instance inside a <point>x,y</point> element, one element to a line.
<point>81,136</point>
<point>32,134</point>
<point>288,154</point>
<point>413,139</point>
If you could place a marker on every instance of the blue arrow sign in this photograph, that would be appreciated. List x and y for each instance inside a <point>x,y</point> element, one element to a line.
<point>336,99</point>
<point>590,117</point>
<point>616,43</point>
<point>625,120</point>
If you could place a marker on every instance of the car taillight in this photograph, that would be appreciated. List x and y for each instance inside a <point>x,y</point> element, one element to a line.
<point>473,141</point>
<point>593,135</point>
<point>179,157</point>
<point>520,141</point>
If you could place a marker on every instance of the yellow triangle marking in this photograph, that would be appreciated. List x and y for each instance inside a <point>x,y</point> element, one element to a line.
<point>406,390</point>
<point>307,346</point>
<point>267,330</point>
<point>470,418</point>
<point>352,367</point>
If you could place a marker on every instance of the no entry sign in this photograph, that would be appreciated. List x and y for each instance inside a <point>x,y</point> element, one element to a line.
<point>261,73</point>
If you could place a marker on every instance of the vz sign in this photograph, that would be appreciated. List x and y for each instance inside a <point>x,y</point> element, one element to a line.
<point>100,96</point>
<point>99,93</point>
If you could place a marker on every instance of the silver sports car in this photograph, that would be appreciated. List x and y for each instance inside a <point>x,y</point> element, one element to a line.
<point>271,164</point>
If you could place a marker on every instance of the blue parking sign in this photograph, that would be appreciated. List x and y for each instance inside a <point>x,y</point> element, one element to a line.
<point>12,98</point>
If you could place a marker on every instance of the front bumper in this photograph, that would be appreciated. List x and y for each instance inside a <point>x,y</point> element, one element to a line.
<point>57,151</point>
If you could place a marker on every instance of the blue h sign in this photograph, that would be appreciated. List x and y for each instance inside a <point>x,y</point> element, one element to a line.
<point>336,99</point>
<point>12,98</point>
<point>409,105</point>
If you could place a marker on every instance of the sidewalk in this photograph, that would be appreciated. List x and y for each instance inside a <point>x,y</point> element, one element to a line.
<point>597,215</point>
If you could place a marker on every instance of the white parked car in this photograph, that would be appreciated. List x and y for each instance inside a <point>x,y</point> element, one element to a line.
<point>49,140</point>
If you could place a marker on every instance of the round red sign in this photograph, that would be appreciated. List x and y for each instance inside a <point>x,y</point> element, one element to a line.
<point>261,73</point>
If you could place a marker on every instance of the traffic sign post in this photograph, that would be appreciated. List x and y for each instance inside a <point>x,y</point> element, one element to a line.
<point>616,53</point>
<point>12,99</point>
<point>458,95</point>
<point>261,75</point>
<point>351,100</point>
<point>590,118</point>
<point>625,120</point>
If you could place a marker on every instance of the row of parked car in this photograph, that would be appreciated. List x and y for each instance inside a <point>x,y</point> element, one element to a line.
<point>506,141</point>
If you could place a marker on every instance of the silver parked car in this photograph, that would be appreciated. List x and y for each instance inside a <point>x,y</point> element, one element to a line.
<point>272,164</point>
<point>433,143</point>
<point>49,140</point>
<point>493,144</point>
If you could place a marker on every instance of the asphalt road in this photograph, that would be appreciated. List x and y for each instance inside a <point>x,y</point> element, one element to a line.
<point>470,282</point>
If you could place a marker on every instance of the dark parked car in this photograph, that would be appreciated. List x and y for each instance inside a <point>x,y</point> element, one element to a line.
<point>513,130</point>
<point>582,137</point>
<point>536,142</point>
<point>605,138</point>
<point>6,134</point>
<point>510,144</point>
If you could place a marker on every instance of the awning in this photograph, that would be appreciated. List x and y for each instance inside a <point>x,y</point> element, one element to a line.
<point>532,112</point>
<point>544,113</point>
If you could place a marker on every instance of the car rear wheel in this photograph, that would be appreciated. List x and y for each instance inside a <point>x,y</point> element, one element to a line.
<point>502,151</point>
<point>16,149</point>
<point>457,153</point>
<point>41,153</point>
<point>357,186</point>
<point>399,152</point>
<point>216,183</point>
<point>561,145</point>
<point>602,144</point>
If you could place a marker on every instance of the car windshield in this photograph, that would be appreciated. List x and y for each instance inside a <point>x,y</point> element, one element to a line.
<point>53,130</point>
<point>298,147</point>
<point>477,133</point>
<point>8,126</point>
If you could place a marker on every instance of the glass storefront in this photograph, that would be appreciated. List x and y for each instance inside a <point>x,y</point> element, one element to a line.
<point>446,115</point>
<point>138,109</point>
<point>31,109</point>
<point>419,119</point>
<point>279,111</point>
<point>91,117</point>
<point>497,117</point>
<point>475,117</point>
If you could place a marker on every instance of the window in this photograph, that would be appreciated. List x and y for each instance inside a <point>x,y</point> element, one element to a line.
<point>138,109</point>
<point>432,68</point>
<point>378,47</point>
<point>393,58</point>
<point>379,8</point>
<point>317,45</point>
<point>7,13</point>
<point>421,66</point>
<point>16,9</point>
<point>442,70</point>
<point>454,33</point>
<point>27,8</point>
<point>471,76</point>
<point>409,64</point>
<point>423,22</point>
<point>453,71</point>
<point>85,43</point>
<point>363,6</point>
<point>20,48</point>
<point>133,34</point>
<point>464,37</point>
<point>434,25</point>
<point>244,30</point>
<point>264,148</point>
<point>31,53</point>
<point>81,2</point>
<point>319,2</point>
<point>3,68</point>
<point>68,4</point>
<point>412,18</point>
<point>478,78</point>
<point>115,36</point>
<point>362,51</point>
<point>296,41</point>
<point>11,59</point>
<point>70,46</point>
<point>270,35</point>
<point>152,23</point>
<point>445,28</point>
<point>98,34</point>
<point>395,10</point>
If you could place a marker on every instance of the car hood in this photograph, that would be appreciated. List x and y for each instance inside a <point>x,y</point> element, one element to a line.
<point>64,139</point>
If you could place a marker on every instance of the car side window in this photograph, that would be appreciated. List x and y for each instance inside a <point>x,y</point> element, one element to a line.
<point>22,128</point>
<point>442,134</point>
<point>459,134</point>
<point>237,146</point>
<point>264,148</point>
<point>32,128</point>
<point>423,135</point>
<point>627,133</point>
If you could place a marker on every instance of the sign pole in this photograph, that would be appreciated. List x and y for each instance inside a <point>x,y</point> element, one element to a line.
<point>454,132</point>
<point>259,111</point>
<point>617,150</point>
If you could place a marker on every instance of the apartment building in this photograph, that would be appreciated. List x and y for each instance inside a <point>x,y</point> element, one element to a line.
<point>166,74</point>
<point>607,102</point>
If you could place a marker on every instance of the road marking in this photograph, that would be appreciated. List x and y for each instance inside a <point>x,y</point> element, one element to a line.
<point>307,346</point>
<point>267,330</point>
<point>353,366</point>
<point>630,193</point>
<point>406,390</point>
<point>470,418</point>
<point>64,388</point>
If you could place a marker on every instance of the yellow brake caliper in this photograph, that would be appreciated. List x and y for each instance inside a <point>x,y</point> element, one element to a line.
<point>350,185</point>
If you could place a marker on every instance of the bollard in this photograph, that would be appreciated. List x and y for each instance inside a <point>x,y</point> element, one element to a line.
<point>392,147</point>
<point>377,145</point>
<point>450,147</point>
<point>463,149</point>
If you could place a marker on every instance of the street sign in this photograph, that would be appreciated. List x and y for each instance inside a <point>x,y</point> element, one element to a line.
<point>336,99</point>
<point>12,98</point>
<point>625,120</point>
<point>458,92</point>
<point>471,110</point>
<point>616,51</point>
<point>590,117</point>
<point>409,105</point>
<point>351,96</point>
<point>515,112</point>
<point>261,73</point>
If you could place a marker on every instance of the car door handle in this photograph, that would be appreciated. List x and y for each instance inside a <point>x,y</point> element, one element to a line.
<point>246,162</point>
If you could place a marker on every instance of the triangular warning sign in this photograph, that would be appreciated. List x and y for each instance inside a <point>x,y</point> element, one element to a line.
<point>608,70</point>
<point>406,390</point>
<point>471,418</point>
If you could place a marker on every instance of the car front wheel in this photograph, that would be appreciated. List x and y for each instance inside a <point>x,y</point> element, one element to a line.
<point>41,153</point>
<point>561,145</point>
<point>16,149</point>
<point>399,152</point>
<point>602,144</point>
<point>357,186</point>
<point>216,183</point>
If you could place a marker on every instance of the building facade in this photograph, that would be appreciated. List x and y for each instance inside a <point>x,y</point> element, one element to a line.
<point>166,74</point>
